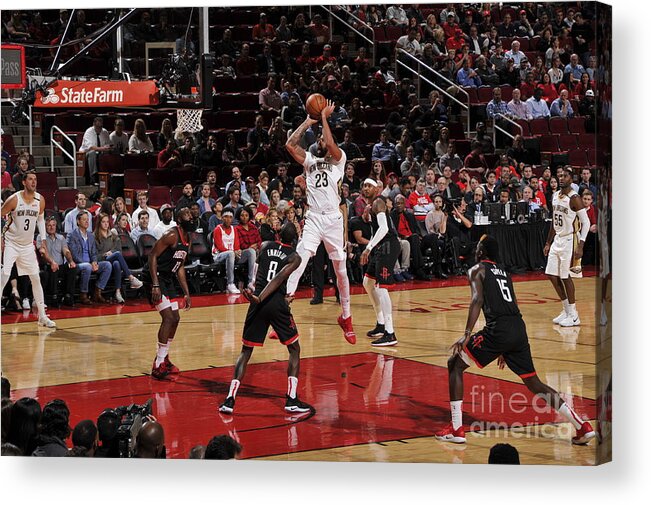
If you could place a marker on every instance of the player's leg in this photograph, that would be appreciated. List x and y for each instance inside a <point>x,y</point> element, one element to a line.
<point>169,312</point>
<point>572,318</point>
<point>9,255</point>
<point>454,431</point>
<point>584,431</point>
<point>385,257</point>
<point>293,404</point>
<point>27,264</point>
<point>371,289</point>
<point>554,271</point>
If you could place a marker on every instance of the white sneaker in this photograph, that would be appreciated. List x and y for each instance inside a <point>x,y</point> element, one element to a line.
<point>135,283</point>
<point>26,305</point>
<point>47,322</point>
<point>561,317</point>
<point>118,297</point>
<point>232,289</point>
<point>571,320</point>
<point>604,316</point>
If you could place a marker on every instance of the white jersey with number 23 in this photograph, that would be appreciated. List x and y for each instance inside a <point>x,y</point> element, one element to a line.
<point>322,178</point>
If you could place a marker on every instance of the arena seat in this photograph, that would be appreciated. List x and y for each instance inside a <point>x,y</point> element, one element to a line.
<point>558,125</point>
<point>567,142</point>
<point>507,92</point>
<point>159,195</point>
<point>65,198</point>
<point>525,128</point>
<point>130,253</point>
<point>8,143</point>
<point>577,158</point>
<point>549,144</point>
<point>176,192</point>
<point>145,244</point>
<point>539,126</point>
<point>135,179</point>
<point>111,163</point>
<point>47,181</point>
<point>576,124</point>
<point>587,140</point>
<point>484,94</point>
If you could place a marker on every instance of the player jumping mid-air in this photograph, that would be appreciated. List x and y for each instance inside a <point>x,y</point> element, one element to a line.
<point>503,338</point>
<point>166,261</point>
<point>26,209</point>
<point>560,249</point>
<point>323,222</point>
<point>276,261</point>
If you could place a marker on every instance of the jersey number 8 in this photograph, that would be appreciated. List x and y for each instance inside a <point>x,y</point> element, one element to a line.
<point>273,267</point>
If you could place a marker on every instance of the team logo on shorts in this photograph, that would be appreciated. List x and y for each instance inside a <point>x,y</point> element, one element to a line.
<point>476,341</point>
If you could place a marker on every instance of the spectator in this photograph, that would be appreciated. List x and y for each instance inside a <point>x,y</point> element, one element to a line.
<point>199,219</point>
<point>562,107</point>
<point>118,140</point>
<point>409,43</point>
<point>549,90</point>
<point>70,221</point>
<point>246,66</point>
<point>226,249</point>
<point>59,263</point>
<point>84,439</point>
<point>166,222</point>
<point>420,201</point>
<point>96,141</point>
<point>396,16</point>
<point>226,69</point>
<point>300,32</point>
<point>187,197</point>
<point>475,159</point>
<point>222,447</point>
<point>407,228</point>
<point>449,25</point>
<point>585,183</point>
<point>139,142</point>
<point>187,151</point>
<point>165,134</point>
<point>248,233</point>
<point>528,86</point>
<point>497,105</point>
<point>231,152</point>
<point>538,107</point>
<point>411,166</point>
<point>150,441</point>
<point>491,193</point>
<point>55,429</point>
<point>24,417</point>
<point>209,155</point>
<point>514,53</point>
<point>510,74</point>
<point>383,76</point>
<point>205,201</point>
<point>441,146</point>
<point>507,28</point>
<point>486,74</point>
<point>216,218</point>
<point>237,182</point>
<point>143,199</point>
<point>467,77</point>
<point>475,41</point>
<point>523,26</point>
<point>450,159</point>
<point>503,454</point>
<point>320,32</point>
<point>226,45</point>
<point>258,142</point>
<point>292,110</point>
<point>423,143</point>
<point>517,108</point>
<point>283,32</point>
<point>476,205</point>
<point>198,451</point>
<point>83,249</point>
<point>352,150</point>
<point>325,58</point>
<point>435,226</point>
<point>384,150</point>
<point>143,227</point>
<point>169,157</point>
<point>583,87</point>
<point>573,71</point>
<point>234,201</point>
<point>270,226</point>
<point>582,35</point>
<point>263,31</point>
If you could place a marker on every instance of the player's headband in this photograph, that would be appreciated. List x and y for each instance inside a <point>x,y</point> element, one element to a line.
<point>371,182</point>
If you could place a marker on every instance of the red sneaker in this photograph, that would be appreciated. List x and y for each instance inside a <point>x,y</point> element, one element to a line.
<point>171,367</point>
<point>584,435</point>
<point>347,326</point>
<point>159,372</point>
<point>448,434</point>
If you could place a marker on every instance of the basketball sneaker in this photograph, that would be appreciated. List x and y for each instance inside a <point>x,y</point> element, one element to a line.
<point>385,340</point>
<point>397,276</point>
<point>563,315</point>
<point>448,434</point>
<point>378,331</point>
<point>571,320</point>
<point>584,435</point>
<point>134,282</point>
<point>47,322</point>
<point>296,405</point>
<point>228,406</point>
<point>408,276</point>
<point>171,367</point>
<point>347,326</point>
<point>26,305</point>
<point>159,372</point>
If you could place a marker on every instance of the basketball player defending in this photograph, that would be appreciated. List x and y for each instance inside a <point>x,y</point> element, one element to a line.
<point>323,221</point>
<point>381,254</point>
<point>276,261</point>
<point>27,209</point>
<point>503,338</point>
<point>167,258</point>
<point>559,249</point>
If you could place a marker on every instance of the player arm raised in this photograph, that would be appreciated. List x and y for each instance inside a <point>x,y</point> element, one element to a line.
<point>476,277</point>
<point>292,144</point>
<point>577,206</point>
<point>167,240</point>
<point>331,145</point>
<point>293,262</point>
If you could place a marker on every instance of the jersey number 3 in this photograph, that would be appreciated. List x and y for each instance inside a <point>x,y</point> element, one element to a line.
<point>504,288</point>
<point>273,267</point>
<point>321,180</point>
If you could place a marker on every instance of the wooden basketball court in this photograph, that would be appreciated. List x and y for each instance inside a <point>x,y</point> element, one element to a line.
<point>372,404</point>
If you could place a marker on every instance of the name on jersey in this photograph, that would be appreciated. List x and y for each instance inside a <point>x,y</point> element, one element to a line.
<point>180,254</point>
<point>562,209</point>
<point>498,271</point>
<point>276,253</point>
<point>27,212</point>
<point>320,166</point>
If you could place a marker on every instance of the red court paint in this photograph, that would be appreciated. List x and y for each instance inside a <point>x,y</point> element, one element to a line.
<point>141,305</point>
<point>359,398</point>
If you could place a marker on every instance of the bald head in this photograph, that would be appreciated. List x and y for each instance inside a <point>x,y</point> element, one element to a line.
<point>150,440</point>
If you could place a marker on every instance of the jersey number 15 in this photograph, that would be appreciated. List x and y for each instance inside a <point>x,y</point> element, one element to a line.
<point>504,288</point>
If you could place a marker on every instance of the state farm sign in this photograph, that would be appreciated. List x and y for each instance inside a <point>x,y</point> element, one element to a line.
<point>99,94</point>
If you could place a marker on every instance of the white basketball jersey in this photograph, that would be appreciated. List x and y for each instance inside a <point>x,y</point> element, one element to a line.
<point>23,220</point>
<point>322,180</point>
<point>562,215</point>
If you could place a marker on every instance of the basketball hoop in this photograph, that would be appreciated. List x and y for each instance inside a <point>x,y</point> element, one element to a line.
<point>189,120</point>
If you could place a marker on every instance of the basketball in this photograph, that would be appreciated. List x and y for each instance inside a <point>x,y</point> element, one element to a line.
<point>315,104</point>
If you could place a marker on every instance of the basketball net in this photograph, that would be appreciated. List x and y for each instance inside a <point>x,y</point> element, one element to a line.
<point>188,120</point>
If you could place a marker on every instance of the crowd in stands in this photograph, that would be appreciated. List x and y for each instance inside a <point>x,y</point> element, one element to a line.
<point>239,185</point>
<point>29,429</point>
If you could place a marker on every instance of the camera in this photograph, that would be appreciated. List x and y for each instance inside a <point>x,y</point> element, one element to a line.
<point>132,417</point>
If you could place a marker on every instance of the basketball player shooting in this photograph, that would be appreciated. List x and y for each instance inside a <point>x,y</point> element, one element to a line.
<point>504,338</point>
<point>27,209</point>
<point>560,250</point>
<point>323,221</point>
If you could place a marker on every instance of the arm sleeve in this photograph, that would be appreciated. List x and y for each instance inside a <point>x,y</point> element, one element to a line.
<point>585,224</point>
<point>383,228</point>
<point>40,225</point>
